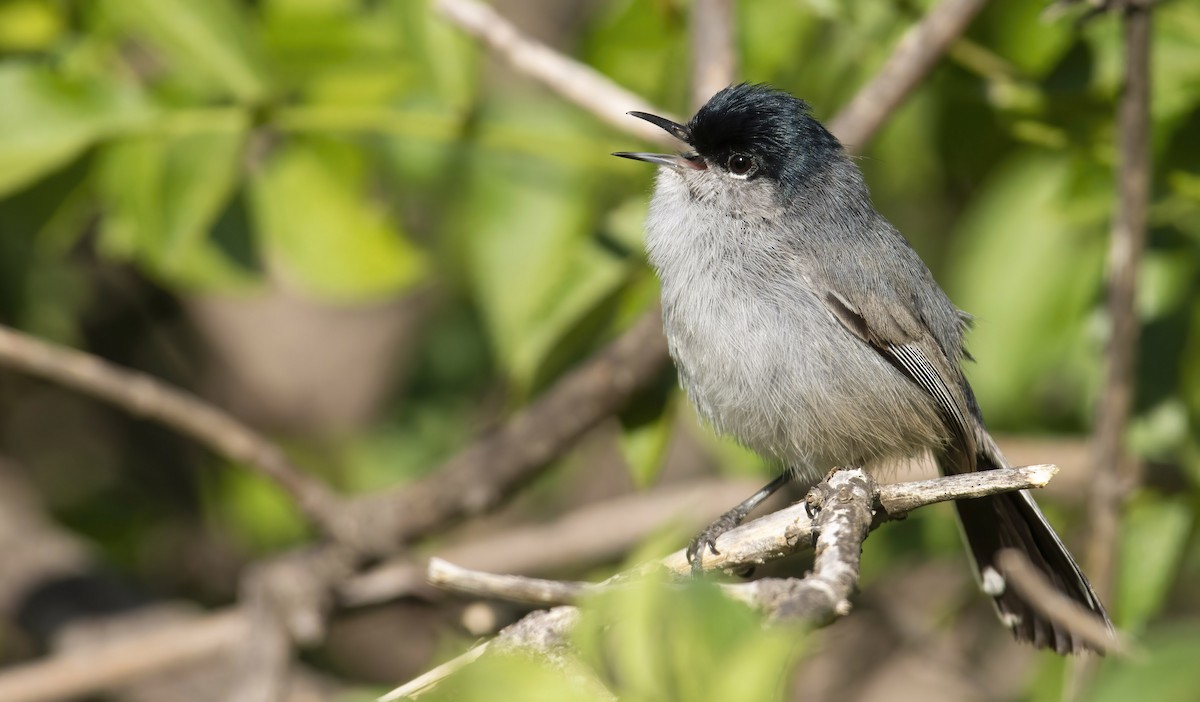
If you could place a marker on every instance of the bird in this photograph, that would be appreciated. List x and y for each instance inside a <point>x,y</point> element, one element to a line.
<point>805,326</point>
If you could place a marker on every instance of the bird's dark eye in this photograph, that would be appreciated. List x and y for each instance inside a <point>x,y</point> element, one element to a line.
<point>740,164</point>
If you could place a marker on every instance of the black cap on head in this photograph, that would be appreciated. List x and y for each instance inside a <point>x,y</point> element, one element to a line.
<point>774,127</point>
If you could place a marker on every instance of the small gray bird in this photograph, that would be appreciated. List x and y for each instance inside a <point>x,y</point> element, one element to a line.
<point>804,326</point>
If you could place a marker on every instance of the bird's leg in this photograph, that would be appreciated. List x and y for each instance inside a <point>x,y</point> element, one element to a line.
<point>707,538</point>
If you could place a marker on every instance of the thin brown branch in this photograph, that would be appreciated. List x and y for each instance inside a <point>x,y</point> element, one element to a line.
<point>714,55</point>
<point>145,396</point>
<point>1041,594</point>
<point>918,51</point>
<point>1117,474</point>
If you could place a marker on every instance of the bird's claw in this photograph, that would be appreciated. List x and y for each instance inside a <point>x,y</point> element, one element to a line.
<point>706,540</point>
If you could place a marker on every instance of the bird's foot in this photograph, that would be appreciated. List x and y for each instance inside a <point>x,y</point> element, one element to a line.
<point>706,540</point>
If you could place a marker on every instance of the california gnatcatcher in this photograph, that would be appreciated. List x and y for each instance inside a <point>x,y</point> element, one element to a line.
<point>805,326</point>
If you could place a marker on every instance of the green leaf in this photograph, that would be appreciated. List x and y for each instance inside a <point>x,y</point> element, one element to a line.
<point>639,45</point>
<point>323,230</point>
<point>163,195</point>
<point>210,39</point>
<point>1016,30</point>
<point>253,510</point>
<point>1175,60</point>
<point>536,272</point>
<point>30,25</point>
<point>685,641</point>
<point>1153,538</point>
<point>48,119</point>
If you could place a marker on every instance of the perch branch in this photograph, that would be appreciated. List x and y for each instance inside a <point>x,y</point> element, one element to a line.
<point>782,533</point>
<point>843,519</point>
<point>776,535</point>
<point>847,506</point>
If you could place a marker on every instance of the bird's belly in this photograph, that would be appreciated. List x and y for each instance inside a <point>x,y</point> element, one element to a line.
<point>789,382</point>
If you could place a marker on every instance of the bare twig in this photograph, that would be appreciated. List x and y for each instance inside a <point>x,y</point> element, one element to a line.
<point>1027,580</point>
<point>898,498</point>
<point>514,588</point>
<point>918,51</point>
<point>573,81</point>
<point>148,397</point>
<point>714,58</point>
<point>591,534</point>
<point>1117,474</point>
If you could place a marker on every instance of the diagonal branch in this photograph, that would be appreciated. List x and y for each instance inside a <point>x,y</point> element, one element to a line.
<point>573,81</point>
<point>145,396</point>
<point>917,53</point>
<point>484,474</point>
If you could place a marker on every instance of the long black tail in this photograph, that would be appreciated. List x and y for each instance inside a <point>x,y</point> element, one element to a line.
<point>1013,520</point>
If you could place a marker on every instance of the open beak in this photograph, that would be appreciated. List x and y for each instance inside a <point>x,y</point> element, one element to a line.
<point>676,161</point>
<point>668,160</point>
<point>678,131</point>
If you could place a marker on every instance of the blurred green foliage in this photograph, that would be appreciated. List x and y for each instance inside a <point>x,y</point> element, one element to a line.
<point>357,150</point>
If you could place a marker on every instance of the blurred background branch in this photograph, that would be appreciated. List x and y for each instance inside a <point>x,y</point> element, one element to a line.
<point>1117,472</point>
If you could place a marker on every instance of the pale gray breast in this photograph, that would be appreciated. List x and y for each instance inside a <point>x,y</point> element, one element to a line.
<point>762,358</point>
